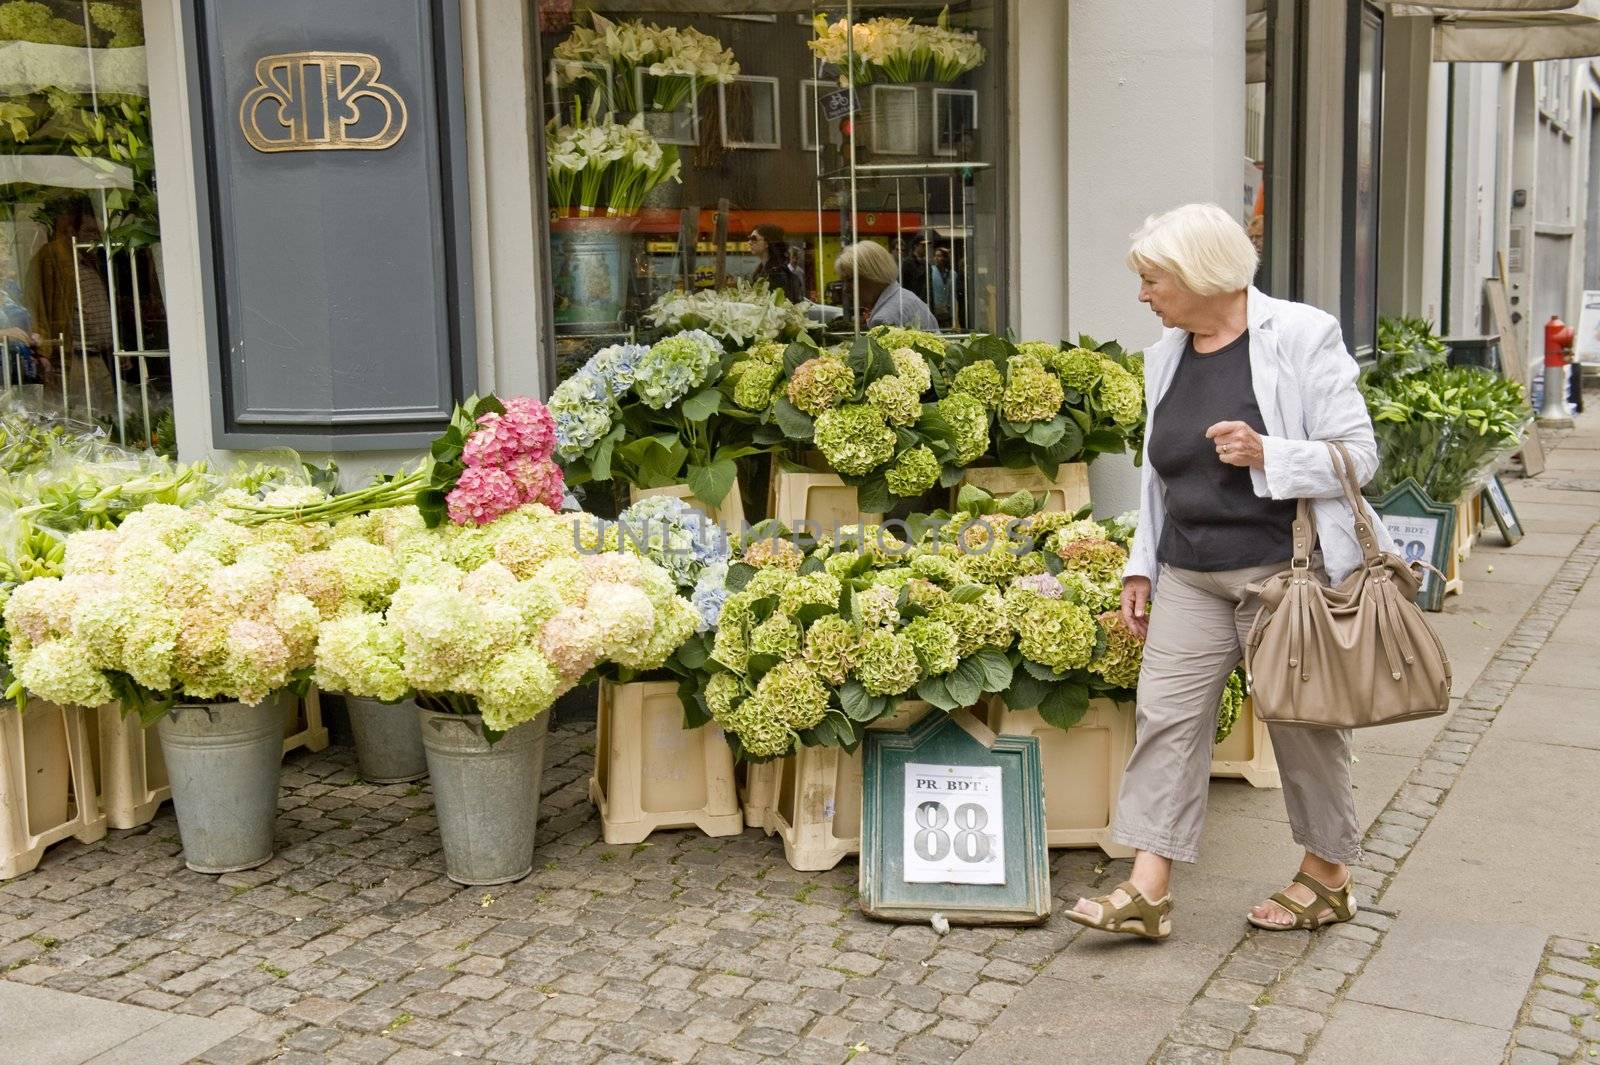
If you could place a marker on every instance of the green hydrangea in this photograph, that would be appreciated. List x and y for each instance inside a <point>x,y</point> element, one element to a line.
<point>756,385</point>
<point>1232,704</point>
<point>722,691</point>
<point>769,352</point>
<point>888,663</point>
<point>936,568</point>
<point>775,636</point>
<point>979,624</point>
<point>768,582</point>
<point>981,380</point>
<point>854,439</point>
<point>794,695</point>
<point>1121,395</point>
<point>1052,632</point>
<point>894,337</point>
<point>1119,661</point>
<point>731,645</point>
<point>938,649</point>
<point>820,384</point>
<point>1096,564</point>
<point>830,648</point>
<point>760,732</point>
<point>1032,393</point>
<point>968,423</point>
<point>914,472</point>
<point>876,606</point>
<point>911,368</point>
<point>988,554</point>
<point>1088,593</point>
<point>924,594</point>
<point>1079,368</point>
<point>811,589</point>
<point>895,399</point>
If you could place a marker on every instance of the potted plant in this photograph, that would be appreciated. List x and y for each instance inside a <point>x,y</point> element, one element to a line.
<point>488,625</point>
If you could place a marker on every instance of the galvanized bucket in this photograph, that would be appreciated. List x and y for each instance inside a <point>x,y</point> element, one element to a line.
<point>485,797</point>
<point>223,761</point>
<point>388,740</point>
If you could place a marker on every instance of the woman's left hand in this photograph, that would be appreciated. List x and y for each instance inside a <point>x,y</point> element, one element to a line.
<point>1237,444</point>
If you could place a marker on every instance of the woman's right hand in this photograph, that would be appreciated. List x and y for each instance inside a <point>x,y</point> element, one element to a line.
<point>1136,605</point>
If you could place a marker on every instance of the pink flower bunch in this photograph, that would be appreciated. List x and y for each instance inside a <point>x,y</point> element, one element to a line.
<point>508,464</point>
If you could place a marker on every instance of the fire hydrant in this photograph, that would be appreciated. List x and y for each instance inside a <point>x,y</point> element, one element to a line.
<point>1557,347</point>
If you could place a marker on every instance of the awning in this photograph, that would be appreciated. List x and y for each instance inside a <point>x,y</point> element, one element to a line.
<point>1510,31</point>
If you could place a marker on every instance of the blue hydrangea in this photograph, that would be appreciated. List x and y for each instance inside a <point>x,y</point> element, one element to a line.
<point>582,408</point>
<point>710,592</point>
<point>616,365</point>
<point>681,539</point>
<point>674,367</point>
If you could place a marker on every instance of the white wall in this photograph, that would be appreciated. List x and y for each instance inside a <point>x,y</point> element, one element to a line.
<point>1038,168</point>
<point>1155,118</point>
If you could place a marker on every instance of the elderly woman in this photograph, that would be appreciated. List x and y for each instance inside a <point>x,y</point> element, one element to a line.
<point>874,274</point>
<point>1242,392</point>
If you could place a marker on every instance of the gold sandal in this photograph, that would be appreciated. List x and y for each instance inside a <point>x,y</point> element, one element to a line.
<point>1340,903</point>
<point>1127,910</point>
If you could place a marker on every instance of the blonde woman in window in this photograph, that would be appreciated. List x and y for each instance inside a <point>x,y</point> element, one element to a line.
<point>1242,391</point>
<point>868,266</point>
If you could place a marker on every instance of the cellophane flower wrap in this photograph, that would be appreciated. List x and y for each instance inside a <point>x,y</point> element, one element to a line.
<point>503,618</point>
<point>1044,404</point>
<point>494,457</point>
<point>744,313</point>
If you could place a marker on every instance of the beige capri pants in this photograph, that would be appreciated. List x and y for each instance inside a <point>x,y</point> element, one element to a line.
<point>1197,635</point>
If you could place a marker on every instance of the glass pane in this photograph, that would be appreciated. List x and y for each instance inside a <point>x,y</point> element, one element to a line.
<point>795,135</point>
<point>82,320</point>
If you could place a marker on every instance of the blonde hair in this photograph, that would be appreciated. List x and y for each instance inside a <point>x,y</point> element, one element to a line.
<point>869,261</point>
<point>1200,244</point>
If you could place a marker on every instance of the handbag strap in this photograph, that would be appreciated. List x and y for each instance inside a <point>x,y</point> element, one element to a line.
<point>1305,530</point>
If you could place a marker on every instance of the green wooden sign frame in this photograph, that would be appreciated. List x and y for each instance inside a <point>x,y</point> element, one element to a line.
<point>1496,501</point>
<point>954,739</point>
<point>1413,511</point>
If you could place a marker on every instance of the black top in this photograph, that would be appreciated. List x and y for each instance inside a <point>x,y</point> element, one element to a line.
<point>1215,520</point>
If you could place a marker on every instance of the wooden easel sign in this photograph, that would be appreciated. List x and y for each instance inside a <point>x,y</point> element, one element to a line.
<point>952,823</point>
<point>1505,515</point>
<point>1423,531</point>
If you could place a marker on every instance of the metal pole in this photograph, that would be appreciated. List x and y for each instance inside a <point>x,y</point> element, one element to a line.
<point>855,228</point>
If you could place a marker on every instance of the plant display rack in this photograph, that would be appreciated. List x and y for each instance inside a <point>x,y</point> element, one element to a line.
<point>47,783</point>
<point>1246,753</point>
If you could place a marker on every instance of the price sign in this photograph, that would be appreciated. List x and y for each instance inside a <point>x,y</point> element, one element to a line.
<point>954,825</point>
<point>1423,531</point>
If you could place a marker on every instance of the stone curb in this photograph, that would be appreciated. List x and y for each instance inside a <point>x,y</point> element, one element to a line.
<point>1560,1019</point>
<point>1288,983</point>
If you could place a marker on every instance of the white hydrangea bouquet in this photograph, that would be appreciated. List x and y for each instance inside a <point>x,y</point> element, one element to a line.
<point>649,67</point>
<point>745,313</point>
<point>501,619</point>
<point>897,50</point>
<point>605,167</point>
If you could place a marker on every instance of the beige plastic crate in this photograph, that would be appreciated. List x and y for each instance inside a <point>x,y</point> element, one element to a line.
<point>818,809</point>
<point>133,775</point>
<point>1067,491</point>
<point>651,773</point>
<point>1247,752</point>
<point>821,499</point>
<point>302,722</point>
<point>47,784</point>
<point>730,515</point>
<point>1083,768</point>
<point>758,792</point>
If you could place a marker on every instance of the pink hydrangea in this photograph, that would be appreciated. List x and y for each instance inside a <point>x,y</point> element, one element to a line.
<point>482,495</point>
<point>491,444</point>
<point>539,481</point>
<point>533,426</point>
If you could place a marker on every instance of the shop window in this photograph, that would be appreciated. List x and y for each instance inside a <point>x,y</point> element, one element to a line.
<point>1359,310</point>
<point>755,148</point>
<point>82,319</point>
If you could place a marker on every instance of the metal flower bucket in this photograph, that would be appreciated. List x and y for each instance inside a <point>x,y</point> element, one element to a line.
<point>485,796</point>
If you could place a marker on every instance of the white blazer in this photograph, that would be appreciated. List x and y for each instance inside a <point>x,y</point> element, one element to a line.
<point>1305,384</point>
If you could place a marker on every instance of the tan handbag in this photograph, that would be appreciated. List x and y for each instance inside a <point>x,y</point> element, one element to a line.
<point>1353,656</point>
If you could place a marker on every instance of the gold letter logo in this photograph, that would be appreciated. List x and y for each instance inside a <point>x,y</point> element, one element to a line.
<point>316,97</point>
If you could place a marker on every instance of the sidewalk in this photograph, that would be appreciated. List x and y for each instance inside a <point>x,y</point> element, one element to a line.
<point>351,946</point>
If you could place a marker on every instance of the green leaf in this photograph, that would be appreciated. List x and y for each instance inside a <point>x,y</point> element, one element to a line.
<point>702,405</point>
<point>712,483</point>
<point>1043,434</point>
<point>997,671</point>
<point>739,575</point>
<point>969,593</point>
<point>855,701</point>
<point>695,713</point>
<point>1026,692</point>
<point>933,690</point>
<point>1065,706</point>
<point>795,423</point>
<point>873,497</point>
<point>1041,672</point>
<point>795,355</point>
<point>965,682</point>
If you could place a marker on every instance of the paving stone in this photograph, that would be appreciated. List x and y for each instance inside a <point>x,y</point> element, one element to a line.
<point>1180,1054</point>
<point>1524,1056</point>
<point>1561,1044</point>
<point>1564,984</point>
<point>1572,1007</point>
<point>1285,1029</point>
<point>1254,1056</point>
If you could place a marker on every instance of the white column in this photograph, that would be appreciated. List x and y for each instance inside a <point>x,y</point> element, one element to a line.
<point>1039,169</point>
<point>1155,118</point>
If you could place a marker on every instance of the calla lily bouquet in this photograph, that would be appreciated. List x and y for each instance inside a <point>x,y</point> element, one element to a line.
<point>605,168</point>
<point>649,67</point>
<point>897,50</point>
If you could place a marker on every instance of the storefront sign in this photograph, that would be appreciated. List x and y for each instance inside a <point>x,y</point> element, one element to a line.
<point>952,822</point>
<point>311,101</point>
<point>334,234</point>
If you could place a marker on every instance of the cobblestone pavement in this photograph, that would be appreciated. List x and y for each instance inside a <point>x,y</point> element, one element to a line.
<point>351,945</point>
<point>1560,1022</point>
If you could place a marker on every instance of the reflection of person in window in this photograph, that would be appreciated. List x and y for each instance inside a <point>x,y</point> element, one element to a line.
<point>769,244</point>
<point>69,294</point>
<point>869,267</point>
<point>941,284</point>
<point>17,338</point>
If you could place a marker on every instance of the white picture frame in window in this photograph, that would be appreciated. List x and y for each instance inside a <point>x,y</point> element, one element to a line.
<point>894,119</point>
<point>955,114</point>
<point>671,127</point>
<point>580,90</point>
<point>764,131</point>
<point>811,91</point>
<point>750,18</point>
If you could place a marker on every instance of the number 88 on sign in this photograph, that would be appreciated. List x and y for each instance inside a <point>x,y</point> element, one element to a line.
<point>954,825</point>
